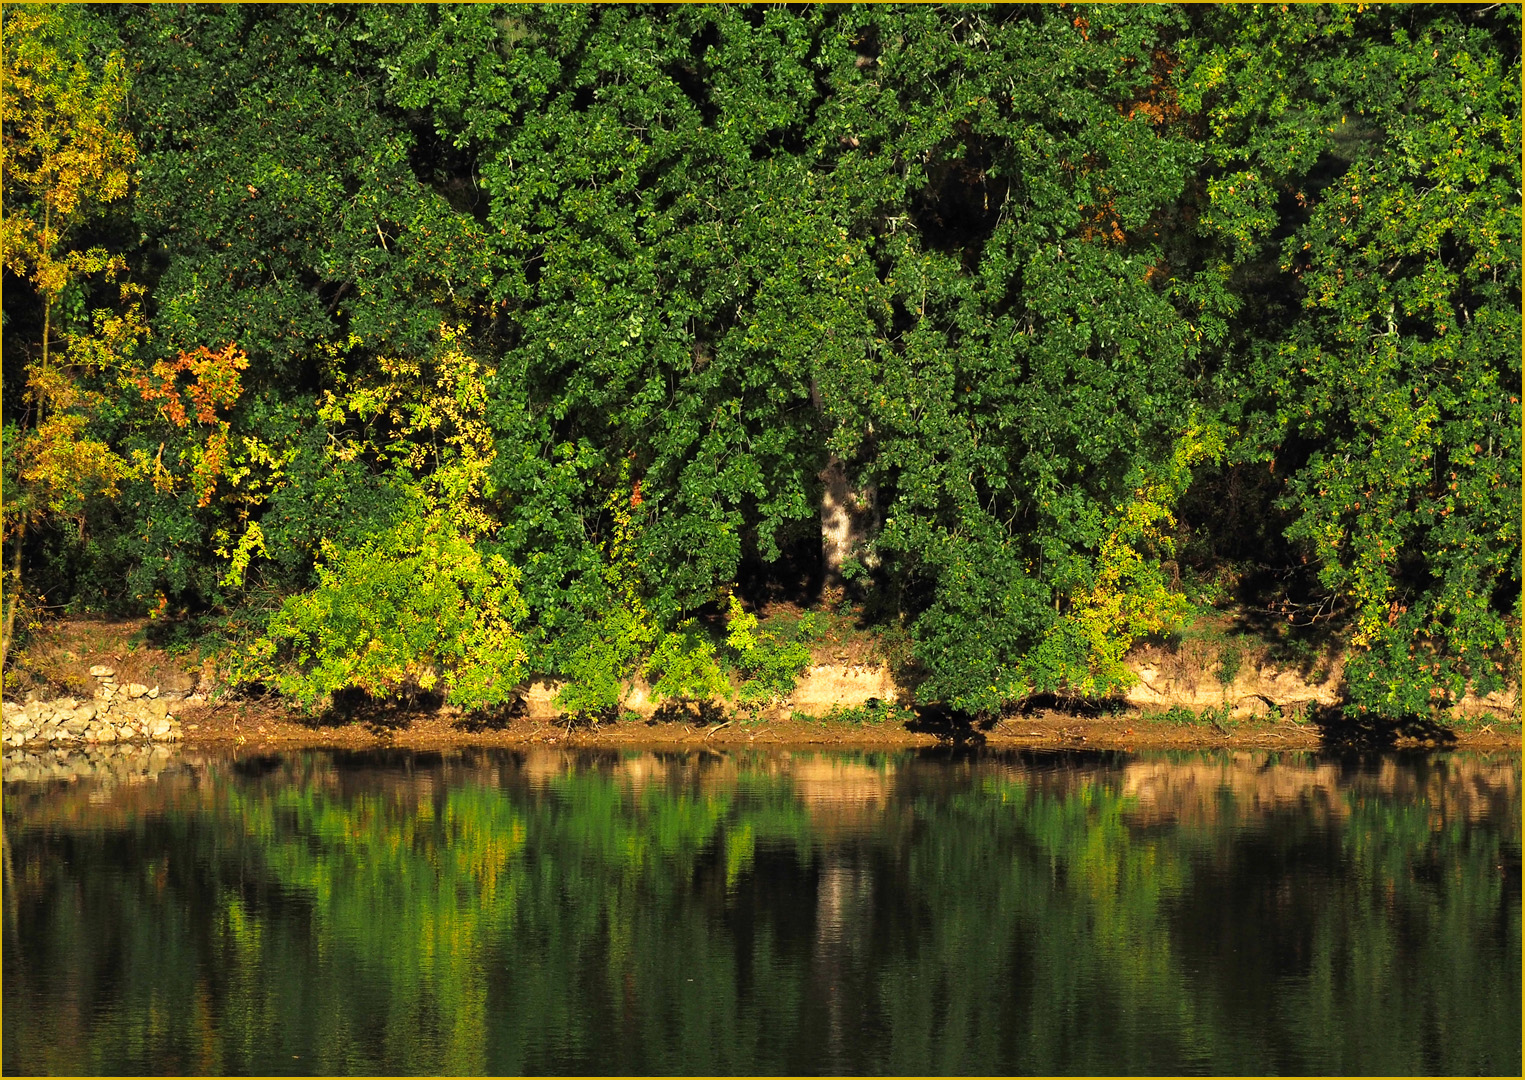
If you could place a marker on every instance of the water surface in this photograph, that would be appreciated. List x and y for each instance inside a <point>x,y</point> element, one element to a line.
<point>510,912</point>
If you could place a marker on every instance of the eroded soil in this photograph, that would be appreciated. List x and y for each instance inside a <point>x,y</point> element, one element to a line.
<point>265,726</point>
<point>59,659</point>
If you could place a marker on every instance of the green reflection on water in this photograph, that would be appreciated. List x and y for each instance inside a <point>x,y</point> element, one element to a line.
<point>773,913</point>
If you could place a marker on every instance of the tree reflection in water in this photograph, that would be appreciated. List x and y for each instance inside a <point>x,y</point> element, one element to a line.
<point>548,912</point>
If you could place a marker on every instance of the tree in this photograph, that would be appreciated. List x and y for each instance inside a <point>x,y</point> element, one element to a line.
<point>1369,193</point>
<point>280,209</point>
<point>64,155</point>
<point>1031,280</point>
<point>1021,371</point>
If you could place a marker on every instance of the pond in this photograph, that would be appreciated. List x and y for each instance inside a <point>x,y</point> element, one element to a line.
<point>560,912</point>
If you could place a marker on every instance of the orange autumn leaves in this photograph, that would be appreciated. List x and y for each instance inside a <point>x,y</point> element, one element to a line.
<point>59,464</point>
<point>67,152</point>
<point>1158,105</point>
<point>215,382</point>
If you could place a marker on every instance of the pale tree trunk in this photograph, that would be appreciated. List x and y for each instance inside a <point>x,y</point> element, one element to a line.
<point>849,515</point>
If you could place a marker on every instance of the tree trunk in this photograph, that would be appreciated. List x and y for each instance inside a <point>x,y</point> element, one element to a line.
<point>849,517</point>
<point>14,596</point>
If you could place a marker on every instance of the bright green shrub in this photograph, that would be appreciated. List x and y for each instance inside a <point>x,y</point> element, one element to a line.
<point>686,668</point>
<point>415,605</point>
<point>874,711</point>
<point>604,656</point>
<point>768,665</point>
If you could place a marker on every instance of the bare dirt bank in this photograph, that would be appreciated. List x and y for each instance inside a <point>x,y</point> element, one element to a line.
<point>269,727</point>
<point>1178,704</point>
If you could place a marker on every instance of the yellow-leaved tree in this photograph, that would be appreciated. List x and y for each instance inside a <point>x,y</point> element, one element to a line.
<point>1128,596</point>
<point>65,153</point>
<point>414,602</point>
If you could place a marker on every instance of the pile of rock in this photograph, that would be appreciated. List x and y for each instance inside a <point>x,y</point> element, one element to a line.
<point>131,713</point>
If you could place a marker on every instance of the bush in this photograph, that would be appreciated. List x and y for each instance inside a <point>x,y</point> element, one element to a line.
<point>1176,714</point>
<point>769,665</point>
<point>873,711</point>
<point>416,605</point>
<point>686,669</point>
<point>602,657</point>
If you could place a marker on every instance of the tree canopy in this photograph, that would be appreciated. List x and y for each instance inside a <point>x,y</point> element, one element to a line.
<point>533,332</point>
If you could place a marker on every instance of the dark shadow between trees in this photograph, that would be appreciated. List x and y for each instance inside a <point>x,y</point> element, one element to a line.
<point>949,725</point>
<point>1343,728</point>
<point>1079,707</point>
<point>686,711</point>
<point>496,719</point>
<point>1308,647</point>
<point>381,716</point>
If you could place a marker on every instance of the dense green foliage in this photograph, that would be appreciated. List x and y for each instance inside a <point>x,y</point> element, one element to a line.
<point>1114,310</point>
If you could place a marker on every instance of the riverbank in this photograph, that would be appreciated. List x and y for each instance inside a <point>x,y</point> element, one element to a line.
<point>1186,698</point>
<point>261,726</point>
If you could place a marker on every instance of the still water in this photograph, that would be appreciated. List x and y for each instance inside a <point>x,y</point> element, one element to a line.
<point>785,913</point>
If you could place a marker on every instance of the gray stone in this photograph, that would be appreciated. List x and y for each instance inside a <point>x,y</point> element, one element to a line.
<point>76,725</point>
<point>34,709</point>
<point>101,671</point>
<point>158,709</point>
<point>154,692</point>
<point>84,712</point>
<point>136,690</point>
